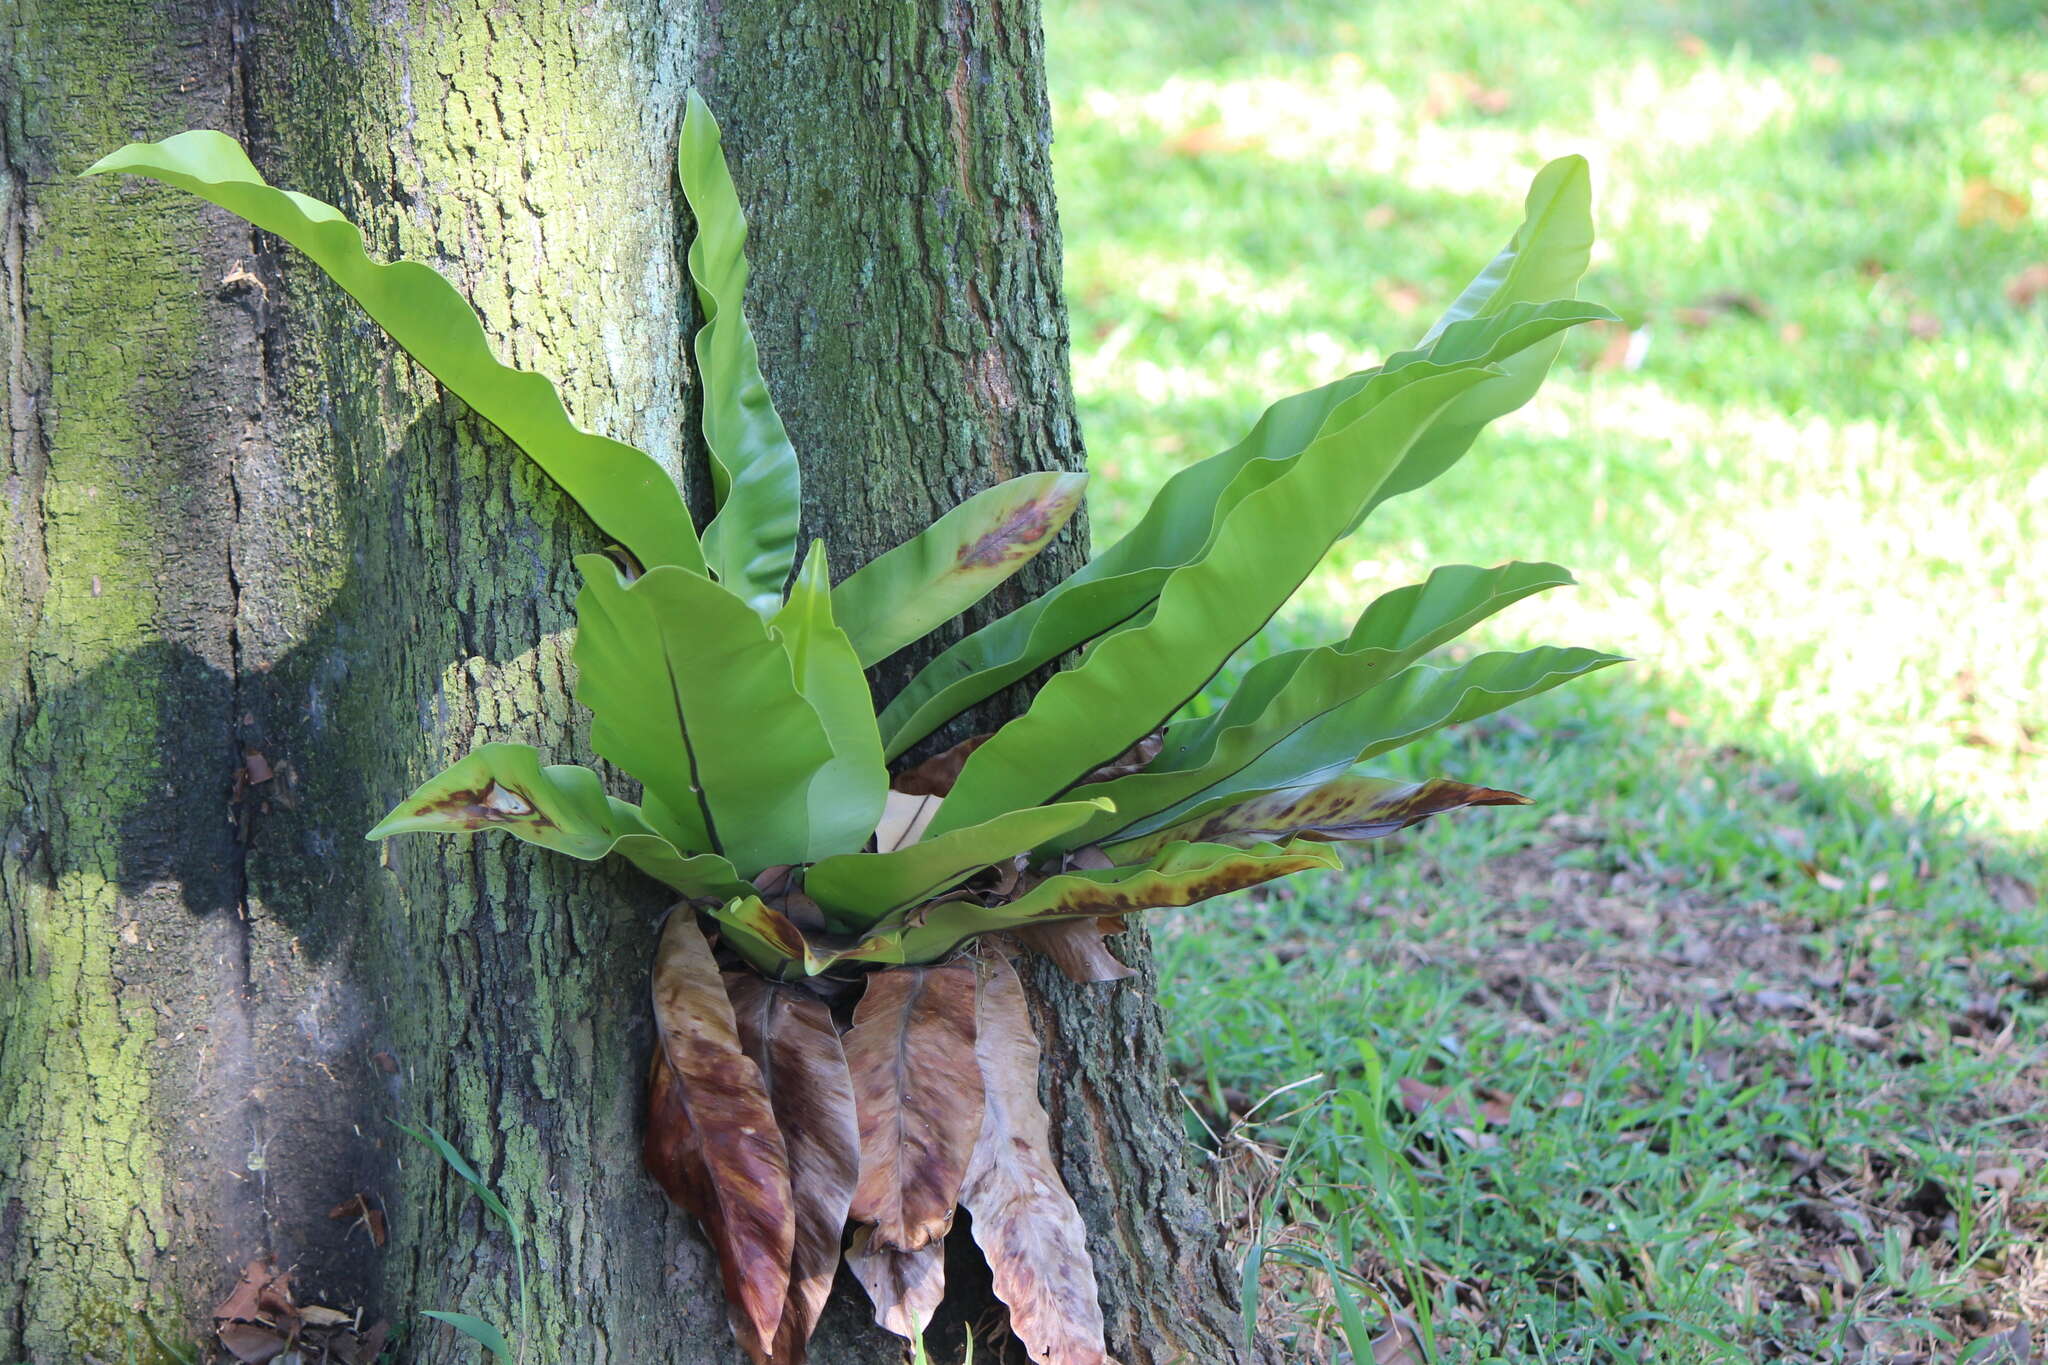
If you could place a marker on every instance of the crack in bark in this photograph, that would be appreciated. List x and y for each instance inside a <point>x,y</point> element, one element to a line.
<point>255,431</point>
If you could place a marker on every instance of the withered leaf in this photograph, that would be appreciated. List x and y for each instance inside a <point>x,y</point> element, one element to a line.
<point>790,1036</point>
<point>1024,1219</point>
<point>905,1286</point>
<point>1130,760</point>
<point>1076,947</point>
<point>904,820</point>
<point>1345,810</point>
<point>712,1140</point>
<point>918,1093</point>
<point>937,774</point>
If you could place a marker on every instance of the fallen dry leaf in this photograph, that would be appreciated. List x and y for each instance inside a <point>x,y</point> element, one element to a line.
<point>1451,91</point>
<point>1024,1220</point>
<point>918,1093</point>
<point>358,1210</point>
<point>257,1320</point>
<point>712,1139</point>
<point>263,1294</point>
<point>1419,1097</point>
<point>2023,289</point>
<point>1985,201</point>
<point>1824,879</point>
<point>1625,348</point>
<point>1400,1344</point>
<point>1402,296</point>
<point>250,1343</point>
<point>790,1036</point>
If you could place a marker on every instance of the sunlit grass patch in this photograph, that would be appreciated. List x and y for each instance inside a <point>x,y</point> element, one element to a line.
<point>1756,992</point>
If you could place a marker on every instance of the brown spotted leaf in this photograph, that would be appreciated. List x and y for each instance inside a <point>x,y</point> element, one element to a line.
<point>936,775</point>
<point>1345,810</point>
<point>1024,1219</point>
<point>790,1036</point>
<point>768,939</point>
<point>918,1091</point>
<point>1076,947</point>
<point>904,1286</point>
<point>920,585</point>
<point>1180,874</point>
<point>712,1139</point>
<point>560,807</point>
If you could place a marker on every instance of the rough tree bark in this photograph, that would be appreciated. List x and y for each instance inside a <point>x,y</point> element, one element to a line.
<point>258,576</point>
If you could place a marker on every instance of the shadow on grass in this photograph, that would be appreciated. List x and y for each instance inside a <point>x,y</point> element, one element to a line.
<point>1628,1065</point>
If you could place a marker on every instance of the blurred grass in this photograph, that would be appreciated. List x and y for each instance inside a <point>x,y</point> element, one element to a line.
<point>1780,904</point>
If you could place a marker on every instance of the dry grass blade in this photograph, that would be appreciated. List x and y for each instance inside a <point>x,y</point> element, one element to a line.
<point>712,1139</point>
<point>905,1286</point>
<point>918,1092</point>
<point>791,1038</point>
<point>1024,1219</point>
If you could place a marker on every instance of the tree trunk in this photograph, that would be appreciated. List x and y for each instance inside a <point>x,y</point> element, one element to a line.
<point>260,576</point>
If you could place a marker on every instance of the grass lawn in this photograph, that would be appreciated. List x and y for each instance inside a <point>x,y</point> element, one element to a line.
<point>1732,1047</point>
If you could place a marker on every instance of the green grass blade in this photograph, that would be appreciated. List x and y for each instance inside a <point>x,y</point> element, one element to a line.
<point>459,1164</point>
<point>848,794</point>
<point>689,693</point>
<point>904,595</point>
<point>1248,1290</point>
<point>751,542</point>
<point>476,1329</point>
<point>1270,542</point>
<point>629,495</point>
